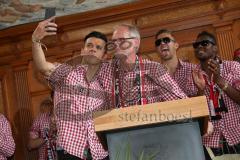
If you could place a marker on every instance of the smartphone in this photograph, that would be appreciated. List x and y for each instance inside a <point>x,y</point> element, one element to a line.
<point>50,12</point>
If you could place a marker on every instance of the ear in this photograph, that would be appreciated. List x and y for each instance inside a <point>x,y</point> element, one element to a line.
<point>137,45</point>
<point>215,49</point>
<point>137,42</point>
<point>176,45</point>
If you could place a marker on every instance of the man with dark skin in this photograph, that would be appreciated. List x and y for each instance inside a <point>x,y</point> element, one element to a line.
<point>180,71</point>
<point>218,80</point>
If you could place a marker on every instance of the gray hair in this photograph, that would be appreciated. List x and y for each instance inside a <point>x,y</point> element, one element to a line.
<point>133,30</point>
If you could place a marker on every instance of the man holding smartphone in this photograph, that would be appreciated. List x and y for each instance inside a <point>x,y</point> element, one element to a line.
<point>223,94</point>
<point>77,94</point>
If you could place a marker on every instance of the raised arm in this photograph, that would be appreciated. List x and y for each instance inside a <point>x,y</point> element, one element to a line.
<point>44,28</point>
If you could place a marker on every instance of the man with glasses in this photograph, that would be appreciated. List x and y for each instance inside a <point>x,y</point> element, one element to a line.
<point>218,80</point>
<point>236,56</point>
<point>131,80</point>
<point>77,94</point>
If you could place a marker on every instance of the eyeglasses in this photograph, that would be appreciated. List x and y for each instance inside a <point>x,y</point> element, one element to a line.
<point>123,44</point>
<point>203,43</point>
<point>164,40</point>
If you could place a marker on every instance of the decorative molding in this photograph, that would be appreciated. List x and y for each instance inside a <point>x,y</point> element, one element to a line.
<point>174,14</point>
<point>15,43</point>
<point>224,37</point>
<point>23,117</point>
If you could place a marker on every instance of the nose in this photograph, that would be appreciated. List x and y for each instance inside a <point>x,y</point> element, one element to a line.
<point>200,46</point>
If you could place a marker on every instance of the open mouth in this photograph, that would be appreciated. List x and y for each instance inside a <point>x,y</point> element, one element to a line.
<point>201,52</point>
<point>164,49</point>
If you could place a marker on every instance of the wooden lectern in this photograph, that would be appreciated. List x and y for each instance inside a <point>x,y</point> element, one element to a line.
<point>158,131</point>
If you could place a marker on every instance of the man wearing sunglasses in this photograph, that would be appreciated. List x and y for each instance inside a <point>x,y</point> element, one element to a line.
<point>131,80</point>
<point>218,80</point>
<point>180,71</point>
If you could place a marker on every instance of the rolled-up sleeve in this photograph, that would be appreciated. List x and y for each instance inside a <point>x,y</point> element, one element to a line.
<point>7,144</point>
<point>57,76</point>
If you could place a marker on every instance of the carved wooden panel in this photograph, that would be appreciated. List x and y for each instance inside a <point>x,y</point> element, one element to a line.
<point>224,37</point>
<point>1,98</point>
<point>23,117</point>
<point>236,33</point>
<point>36,101</point>
<point>35,79</point>
<point>174,14</point>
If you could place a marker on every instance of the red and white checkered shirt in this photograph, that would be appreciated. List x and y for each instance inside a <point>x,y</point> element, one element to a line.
<point>183,77</point>
<point>229,125</point>
<point>38,130</point>
<point>75,100</point>
<point>7,145</point>
<point>158,84</point>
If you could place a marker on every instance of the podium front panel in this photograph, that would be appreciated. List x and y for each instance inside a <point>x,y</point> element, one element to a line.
<point>180,141</point>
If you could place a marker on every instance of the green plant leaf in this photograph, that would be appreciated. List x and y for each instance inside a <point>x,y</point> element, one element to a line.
<point>128,151</point>
<point>141,156</point>
<point>153,155</point>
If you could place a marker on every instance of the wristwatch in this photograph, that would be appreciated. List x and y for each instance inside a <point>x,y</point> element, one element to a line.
<point>225,86</point>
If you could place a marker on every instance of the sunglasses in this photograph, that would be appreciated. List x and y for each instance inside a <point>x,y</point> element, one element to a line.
<point>164,40</point>
<point>203,43</point>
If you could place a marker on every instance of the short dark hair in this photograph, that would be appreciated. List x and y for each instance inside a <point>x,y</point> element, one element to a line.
<point>161,31</point>
<point>210,35</point>
<point>96,34</point>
